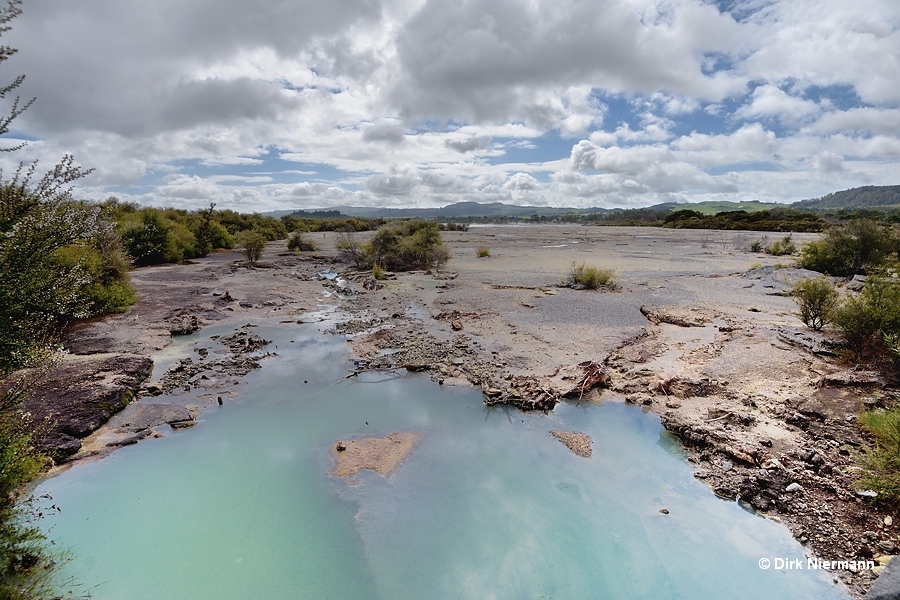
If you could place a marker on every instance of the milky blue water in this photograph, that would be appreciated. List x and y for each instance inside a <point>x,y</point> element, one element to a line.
<point>489,505</point>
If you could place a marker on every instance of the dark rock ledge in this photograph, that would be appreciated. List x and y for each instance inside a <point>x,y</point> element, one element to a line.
<point>78,395</point>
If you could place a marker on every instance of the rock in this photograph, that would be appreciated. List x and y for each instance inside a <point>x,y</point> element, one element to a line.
<point>677,317</point>
<point>142,415</point>
<point>794,487</point>
<point>888,521</point>
<point>664,511</point>
<point>856,284</point>
<point>79,394</point>
<point>184,324</point>
<point>868,494</point>
<point>727,465</point>
<point>886,546</point>
<point>456,325</point>
<point>852,377</point>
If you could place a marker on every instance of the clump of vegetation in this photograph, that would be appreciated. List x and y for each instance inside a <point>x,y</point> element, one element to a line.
<point>378,273</point>
<point>855,248</point>
<point>60,260</point>
<point>783,247</point>
<point>482,252</point>
<point>298,242</point>
<point>759,244</point>
<point>817,300</point>
<point>252,244</point>
<point>328,220</point>
<point>398,246</point>
<point>589,278</point>
<point>775,219</point>
<point>881,462</point>
<point>865,319</point>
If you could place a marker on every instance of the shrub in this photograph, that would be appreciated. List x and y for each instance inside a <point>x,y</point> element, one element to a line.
<point>816,299</point>
<point>482,252</point>
<point>881,462</point>
<point>150,241</point>
<point>378,273</point>
<point>300,243</point>
<point>589,278</point>
<point>350,249</point>
<point>860,245</point>
<point>783,247</point>
<point>253,244</point>
<point>865,319</point>
<point>758,245</point>
<point>405,245</point>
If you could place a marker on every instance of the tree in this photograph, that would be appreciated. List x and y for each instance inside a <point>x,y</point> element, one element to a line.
<point>253,244</point>
<point>849,250</point>
<point>151,241</point>
<point>817,300</point>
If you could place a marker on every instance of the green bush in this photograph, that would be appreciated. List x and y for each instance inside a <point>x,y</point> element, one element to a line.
<point>253,244</point>
<point>758,245</point>
<point>299,243</point>
<point>783,247</point>
<point>350,249</point>
<point>151,240</point>
<point>817,299</point>
<point>482,252</point>
<point>378,273</point>
<point>852,249</point>
<point>589,278</point>
<point>399,246</point>
<point>865,319</point>
<point>881,462</point>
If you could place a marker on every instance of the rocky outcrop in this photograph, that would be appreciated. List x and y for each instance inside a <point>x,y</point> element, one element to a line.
<point>674,316</point>
<point>78,395</point>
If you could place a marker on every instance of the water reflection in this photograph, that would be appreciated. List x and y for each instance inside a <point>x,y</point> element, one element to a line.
<point>488,506</point>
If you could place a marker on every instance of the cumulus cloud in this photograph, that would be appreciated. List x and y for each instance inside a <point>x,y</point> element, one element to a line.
<point>771,101</point>
<point>384,132</point>
<point>566,102</point>
<point>479,142</point>
<point>522,182</point>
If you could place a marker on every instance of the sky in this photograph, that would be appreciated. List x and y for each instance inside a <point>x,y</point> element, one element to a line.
<point>300,104</point>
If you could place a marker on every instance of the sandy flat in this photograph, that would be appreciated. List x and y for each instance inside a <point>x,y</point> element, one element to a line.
<point>579,443</point>
<point>380,454</point>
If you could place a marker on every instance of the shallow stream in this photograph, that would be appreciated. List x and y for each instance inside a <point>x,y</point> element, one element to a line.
<point>489,505</point>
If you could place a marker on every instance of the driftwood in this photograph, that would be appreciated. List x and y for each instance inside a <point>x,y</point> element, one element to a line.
<point>594,375</point>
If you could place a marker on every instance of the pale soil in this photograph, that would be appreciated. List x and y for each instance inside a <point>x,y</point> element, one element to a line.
<point>579,443</point>
<point>758,413</point>
<point>382,455</point>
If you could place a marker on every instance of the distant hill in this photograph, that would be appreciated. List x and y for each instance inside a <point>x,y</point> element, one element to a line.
<point>883,197</point>
<point>870,196</point>
<point>461,210</point>
<point>712,208</point>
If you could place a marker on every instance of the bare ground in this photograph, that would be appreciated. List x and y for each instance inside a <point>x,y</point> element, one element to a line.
<point>699,331</point>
